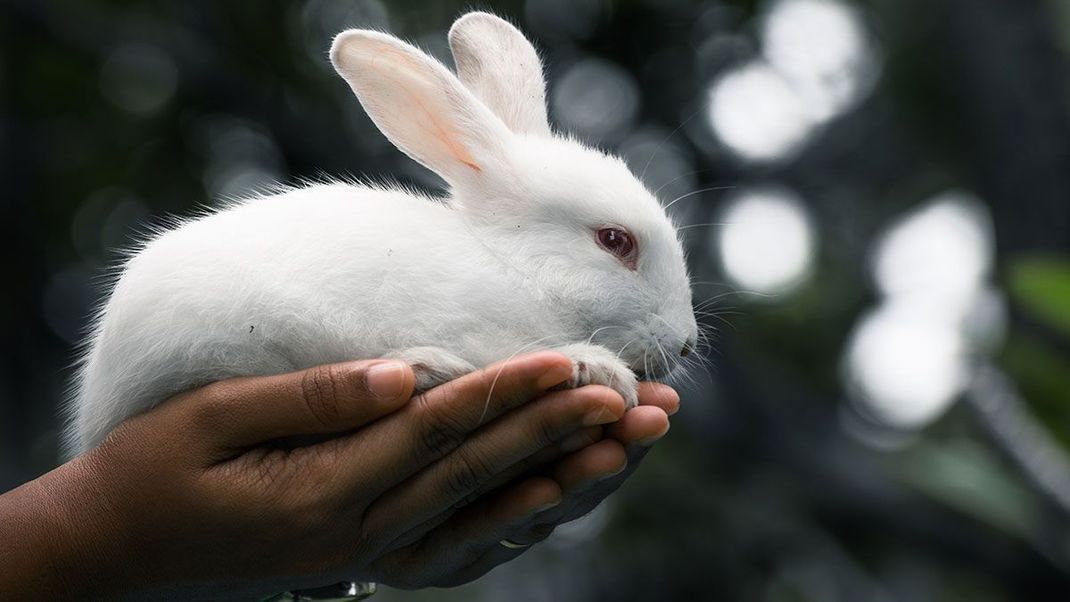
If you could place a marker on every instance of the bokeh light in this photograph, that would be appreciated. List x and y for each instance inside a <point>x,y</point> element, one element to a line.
<point>766,241</point>
<point>242,157</point>
<point>138,78</point>
<point>909,358</point>
<point>822,48</point>
<point>595,99</point>
<point>889,379</point>
<point>905,365</point>
<point>942,250</point>
<point>817,61</point>
<point>757,113</point>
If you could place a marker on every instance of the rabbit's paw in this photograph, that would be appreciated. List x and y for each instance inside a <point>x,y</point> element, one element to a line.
<point>432,365</point>
<point>596,365</point>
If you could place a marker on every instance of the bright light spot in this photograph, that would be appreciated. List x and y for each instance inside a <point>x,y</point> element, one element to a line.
<point>766,241</point>
<point>821,47</point>
<point>758,114</point>
<point>818,62</point>
<point>905,367</point>
<point>908,360</point>
<point>941,252</point>
<point>596,99</point>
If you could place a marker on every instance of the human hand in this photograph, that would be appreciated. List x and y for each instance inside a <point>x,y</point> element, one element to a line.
<point>199,493</point>
<point>468,543</point>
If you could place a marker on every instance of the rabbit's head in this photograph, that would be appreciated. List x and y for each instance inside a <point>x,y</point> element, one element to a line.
<point>575,222</point>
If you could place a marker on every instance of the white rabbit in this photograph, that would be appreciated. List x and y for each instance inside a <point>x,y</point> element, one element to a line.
<point>542,243</point>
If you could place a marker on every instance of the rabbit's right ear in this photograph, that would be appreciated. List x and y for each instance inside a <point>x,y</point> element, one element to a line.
<point>502,68</point>
<point>419,105</point>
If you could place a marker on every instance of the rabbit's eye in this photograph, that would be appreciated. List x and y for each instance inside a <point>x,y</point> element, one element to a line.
<point>619,242</point>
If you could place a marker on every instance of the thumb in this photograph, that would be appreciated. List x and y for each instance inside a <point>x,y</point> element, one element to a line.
<point>332,398</point>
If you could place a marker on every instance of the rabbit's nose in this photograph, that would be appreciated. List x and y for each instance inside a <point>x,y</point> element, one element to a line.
<point>686,351</point>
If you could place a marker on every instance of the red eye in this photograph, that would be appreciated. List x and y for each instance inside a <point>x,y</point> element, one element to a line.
<point>619,242</point>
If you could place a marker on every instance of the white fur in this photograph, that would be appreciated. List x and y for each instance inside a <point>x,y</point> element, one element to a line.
<point>333,272</point>
<point>498,64</point>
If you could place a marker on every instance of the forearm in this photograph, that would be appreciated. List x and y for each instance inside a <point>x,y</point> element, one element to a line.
<point>55,543</point>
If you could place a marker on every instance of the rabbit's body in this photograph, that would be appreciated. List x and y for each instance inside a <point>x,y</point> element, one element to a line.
<point>541,243</point>
<point>400,272</point>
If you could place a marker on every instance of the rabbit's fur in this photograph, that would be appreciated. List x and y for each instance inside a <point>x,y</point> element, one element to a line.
<point>508,263</point>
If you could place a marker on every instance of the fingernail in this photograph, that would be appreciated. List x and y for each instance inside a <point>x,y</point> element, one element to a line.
<point>599,416</point>
<point>386,380</point>
<point>556,375</point>
<point>610,475</point>
<point>652,440</point>
<point>545,507</point>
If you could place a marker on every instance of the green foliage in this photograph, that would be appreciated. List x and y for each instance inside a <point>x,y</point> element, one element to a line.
<point>1041,286</point>
<point>971,479</point>
<point>1042,374</point>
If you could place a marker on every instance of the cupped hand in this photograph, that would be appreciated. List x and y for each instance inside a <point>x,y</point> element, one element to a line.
<point>254,485</point>
<point>526,511</point>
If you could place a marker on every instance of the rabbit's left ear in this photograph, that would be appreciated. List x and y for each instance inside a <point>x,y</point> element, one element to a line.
<point>420,106</point>
<point>501,67</point>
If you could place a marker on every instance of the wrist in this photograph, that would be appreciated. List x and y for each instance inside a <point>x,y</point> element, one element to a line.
<point>57,541</point>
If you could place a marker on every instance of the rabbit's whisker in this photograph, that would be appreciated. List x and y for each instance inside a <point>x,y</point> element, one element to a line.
<point>681,176</point>
<point>493,383</point>
<point>693,193</point>
<point>661,144</point>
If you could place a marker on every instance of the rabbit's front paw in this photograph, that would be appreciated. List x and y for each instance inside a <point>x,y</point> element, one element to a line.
<point>596,365</point>
<point>432,365</point>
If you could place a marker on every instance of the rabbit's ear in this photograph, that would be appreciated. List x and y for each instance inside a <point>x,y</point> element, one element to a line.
<point>501,67</point>
<point>419,104</point>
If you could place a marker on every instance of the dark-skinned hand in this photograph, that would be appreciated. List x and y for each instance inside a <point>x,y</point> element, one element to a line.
<point>251,486</point>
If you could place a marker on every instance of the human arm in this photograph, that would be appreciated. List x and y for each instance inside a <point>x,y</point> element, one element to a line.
<point>200,494</point>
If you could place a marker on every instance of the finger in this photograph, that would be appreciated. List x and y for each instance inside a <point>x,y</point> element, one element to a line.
<point>591,474</point>
<point>490,452</point>
<point>240,412</point>
<point>643,425</point>
<point>586,477</point>
<point>490,552</point>
<point>659,395</point>
<point>436,422</point>
<point>601,460</point>
<point>468,534</point>
<point>578,440</point>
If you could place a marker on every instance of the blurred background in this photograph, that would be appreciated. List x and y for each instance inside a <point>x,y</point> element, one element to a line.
<point>875,197</point>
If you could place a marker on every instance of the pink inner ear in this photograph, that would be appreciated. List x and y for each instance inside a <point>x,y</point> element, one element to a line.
<point>409,77</point>
<point>442,131</point>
